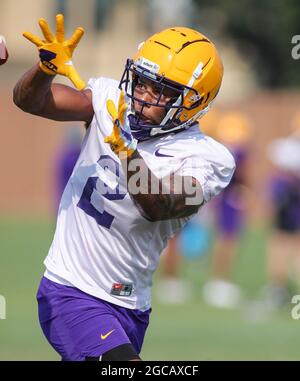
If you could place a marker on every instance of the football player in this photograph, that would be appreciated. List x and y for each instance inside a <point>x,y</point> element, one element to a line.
<point>143,171</point>
<point>234,130</point>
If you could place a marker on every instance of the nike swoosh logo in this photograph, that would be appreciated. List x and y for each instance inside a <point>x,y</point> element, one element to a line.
<point>103,337</point>
<point>161,154</point>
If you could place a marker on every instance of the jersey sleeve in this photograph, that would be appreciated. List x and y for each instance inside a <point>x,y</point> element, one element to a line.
<point>212,169</point>
<point>103,89</point>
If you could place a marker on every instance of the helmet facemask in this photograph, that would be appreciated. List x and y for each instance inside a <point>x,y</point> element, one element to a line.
<point>133,73</point>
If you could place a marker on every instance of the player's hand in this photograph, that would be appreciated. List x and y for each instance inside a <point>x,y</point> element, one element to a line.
<point>121,139</point>
<point>56,52</point>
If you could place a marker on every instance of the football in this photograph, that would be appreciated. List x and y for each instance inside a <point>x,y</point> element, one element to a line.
<point>3,51</point>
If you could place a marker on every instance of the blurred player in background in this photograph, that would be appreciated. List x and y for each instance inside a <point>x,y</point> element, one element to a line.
<point>144,170</point>
<point>230,210</point>
<point>172,288</point>
<point>66,159</point>
<point>225,215</point>
<point>190,242</point>
<point>283,251</point>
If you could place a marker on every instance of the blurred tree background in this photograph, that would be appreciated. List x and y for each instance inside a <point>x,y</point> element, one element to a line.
<point>254,38</point>
<point>261,30</point>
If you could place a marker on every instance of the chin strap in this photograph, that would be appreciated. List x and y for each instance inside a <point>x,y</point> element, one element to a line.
<point>184,126</point>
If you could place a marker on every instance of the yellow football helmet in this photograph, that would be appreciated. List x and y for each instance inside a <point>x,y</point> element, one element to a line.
<point>178,59</point>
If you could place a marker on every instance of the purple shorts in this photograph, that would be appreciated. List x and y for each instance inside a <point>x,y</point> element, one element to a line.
<point>78,325</point>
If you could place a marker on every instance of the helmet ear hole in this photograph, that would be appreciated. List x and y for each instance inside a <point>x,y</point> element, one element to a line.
<point>197,103</point>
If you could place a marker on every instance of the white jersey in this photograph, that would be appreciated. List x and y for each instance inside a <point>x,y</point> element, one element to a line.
<point>102,244</point>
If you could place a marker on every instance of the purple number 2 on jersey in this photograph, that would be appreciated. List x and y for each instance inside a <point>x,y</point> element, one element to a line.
<point>93,185</point>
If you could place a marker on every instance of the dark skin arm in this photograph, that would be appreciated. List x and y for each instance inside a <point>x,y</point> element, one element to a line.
<point>171,199</point>
<point>36,94</point>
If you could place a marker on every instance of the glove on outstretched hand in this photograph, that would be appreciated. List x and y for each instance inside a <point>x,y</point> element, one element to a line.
<point>56,52</point>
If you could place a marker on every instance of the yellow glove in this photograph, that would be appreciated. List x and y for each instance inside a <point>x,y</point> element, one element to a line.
<point>56,52</point>
<point>121,139</point>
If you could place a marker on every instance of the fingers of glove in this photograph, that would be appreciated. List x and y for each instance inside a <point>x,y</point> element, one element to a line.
<point>60,28</point>
<point>122,108</point>
<point>121,102</point>
<point>46,30</point>
<point>112,140</point>
<point>108,139</point>
<point>115,145</point>
<point>34,39</point>
<point>72,73</point>
<point>111,108</point>
<point>121,114</point>
<point>76,37</point>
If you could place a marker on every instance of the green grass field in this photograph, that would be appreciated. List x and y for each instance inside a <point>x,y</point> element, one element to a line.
<point>194,331</point>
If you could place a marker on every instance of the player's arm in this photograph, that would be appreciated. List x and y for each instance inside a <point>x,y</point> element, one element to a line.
<point>36,94</point>
<point>161,199</point>
<point>157,199</point>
